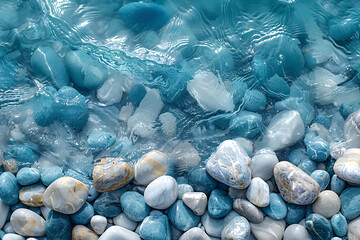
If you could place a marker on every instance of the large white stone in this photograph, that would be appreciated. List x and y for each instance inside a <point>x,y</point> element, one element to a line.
<point>196,201</point>
<point>119,233</point>
<point>12,236</point>
<point>27,223</point>
<point>268,229</point>
<point>348,166</point>
<point>161,193</point>
<point>150,166</point>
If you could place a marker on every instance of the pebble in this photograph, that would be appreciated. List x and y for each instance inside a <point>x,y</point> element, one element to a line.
<point>295,186</point>
<point>185,157</point>
<point>238,228</point>
<point>263,163</point>
<point>58,226</point>
<point>27,223</point>
<point>9,188</point>
<point>161,193</point>
<point>294,213</point>
<point>155,227</point>
<point>100,140</point>
<point>184,188</point>
<point>296,232</point>
<point>219,204</point>
<point>84,215</point>
<point>194,233</point>
<point>32,196</point>
<point>12,236</point>
<point>201,181</point>
<point>28,176</point>
<point>322,178</point>
<point>354,229</point>
<point>182,217</point>
<point>119,233</point>
<point>337,184</point>
<point>134,206</point>
<point>348,166</point>
<point>111,174</point>
<point>277,208</point>
<point>248,210</point>
<point>50,174</point>
<point>319,227</point>
<point>11,166</point>
<point>4,211</point>
<point>350,202</point>
<point>196,201</point>
<point>8,228</point>
<point>269,229</point>
<point>123,221</point>
<point>150,166</point>
<point>81,232</point>
<point>327,204</point>
<point>339,224</point>
<point>98,224</point>
<point>65,195</point>
<point>107,204</point>
<point>230,165</point>
<point>317,148</point>
<point>213,226</point>
<point>258,192</point>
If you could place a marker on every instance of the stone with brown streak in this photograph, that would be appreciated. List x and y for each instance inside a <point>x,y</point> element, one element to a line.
<point>27,223</point>
<point>32,196</point>
<point>348,166</point>
<point>81,232</point>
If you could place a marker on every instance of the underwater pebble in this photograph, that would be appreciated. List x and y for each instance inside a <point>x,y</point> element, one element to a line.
<point>32,196</point>
<point>194,234</point>
<point>263,163</point>
<point>196,201</point>
<point>119,233</point>
<point>230,165</point>
<point>50,174</point>
<point>98,224</point>
<point>237,228</point>
<point>12,236</point>
<point>295,186</point>
<point>258,192</point>
<point>123,221</point>
<point>111,174</point>
<point>28,176</point>
<point>327,204</point>
<point>9,188</point>
<point>65,195</point>
<point>348,166</point>
<point>161,193</point>
<point>81,232</point>
<point>296,232</point>
<point>150,166</point>
<point>248,210</point>
<point>27,223</point>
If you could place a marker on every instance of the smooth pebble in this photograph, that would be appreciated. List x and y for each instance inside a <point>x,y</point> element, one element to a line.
<point>196,201</point>
<point>98,224</point>
<point>150,166</point>
<point>258,192</point>
<point>161,193</point>
<point>27,223</point>
<point>327,204</point>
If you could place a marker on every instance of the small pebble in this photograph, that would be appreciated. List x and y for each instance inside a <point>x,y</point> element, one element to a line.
<point>11,166</point>
<point>258,192</point>
<point>322,178</point>
<point>123,221</point>
<point>327,204</point>
<point>150,166</point>
<point>296,232</point>
<point>65,195</point>
<point>238,228</point>
<point>32,196</point>
<point>84,215</point>
<point>337,184</point>
<point>219,204</point>
<point>27,223</point>
<point>196,201</point>
<point>98,224</point>
<point>248,210</point>
<point>134,206</point>
<point>50,174</point>
<point>277,208</point>
<point>182,217</point>
<point>161,193</point>
<point>194,234</point>
<point>81,232</point>
<point>269,229</point>
<point>119,233</point>
<point>263,163</point>
<point>339,224</point>
<point>28,176</point>
<point>9,188</point>
<point>155,227</point>
<point>319,227</point>
<point>348,166</point>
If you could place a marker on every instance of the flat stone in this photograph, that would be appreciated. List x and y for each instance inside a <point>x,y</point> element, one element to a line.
<point>296,232</point>
<point>32,196</point>
<point>123,221</point>
<point>150,166</point>
<point>119,233</point>
<point>248,210</point>
<point>263,163</point>
<point>182,217</point>
<point>295,185</point>
<point>111,174</point>
<point>339,224</point>
<point>161,193</point>
<point>194,234</point>
<point>350,202</point>
<point>98,224</point>
<point>238,228</point>
<point>348,166</point>
<point>354,229</point>
<point>196,201</point>
<point>230,165</point>
<point>258,192</point>
<point>27,223</point>
<point>81,232</point>
<point>327,204</point>
<point>12,236</point>
<point>269,229</point>
<point>65,195</point>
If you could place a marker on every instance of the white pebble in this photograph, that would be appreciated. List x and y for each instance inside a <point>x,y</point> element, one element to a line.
<point>12,236</point>
<point>27,223</point>
<point>119,233</point>
<point>98,224</point>
<point>196,201</point>
<point>161,193</point>
<point>123,221</point>
<point>4,211</point>
<point>258,192</point>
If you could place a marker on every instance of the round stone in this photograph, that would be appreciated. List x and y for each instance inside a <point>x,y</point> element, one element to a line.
<point>263,163</point>
<point>161,193</point>
<point>27,223</point>
<point>196,201</point>
<point>111,174</point>
<point>258,192</point>
<point>238,228</point>
<point>134,206</point>
<point>32,196</point>
<point>9,188</point>
<point>28,176</point>
<point>150,166</point>
<point>116,232</point>
<point>296,232</point>
<point>98,224</point>
<point>327,204</point>
<point>295,185</point>
<point>248,210</point>
<point>348,166</point>
<point>81,232</point>
<point>230,165</point>
<point>354,229</point>
<point>65,195</point>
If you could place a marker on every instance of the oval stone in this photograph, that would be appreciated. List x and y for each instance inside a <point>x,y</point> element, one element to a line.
<point>194,233</point>
<point>238,228</point>
<point>161,193</point>
<point>327,204</point>
<point>134,206</point>
<point>263,163</point>
<point>248,210</point>
<point>269,229</point>
<point>27,176</point>
<point>196,201</point>
<point>27,223</point>
<point>81,232</point>
<point>182,217</point>
<point>339,224</point>
<point>150,166</point>
<point>9,188</point>
<point>319,227</point>
<point>65,195</point>
<point>258,192</point>
<point>111,174</point>
<point>295,185</point>
<point>354,229</point>
<point>350,202</point>
<point>12,236</point>
<point>230,165</point>
<point>348,166</point>
<point>296,232</point>
<point>32,196</point>
<point>119,233</point>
